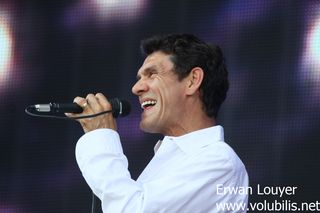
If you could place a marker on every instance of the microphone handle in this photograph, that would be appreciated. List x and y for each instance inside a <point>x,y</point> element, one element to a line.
<point>119,107</point>
<point>66,107</point>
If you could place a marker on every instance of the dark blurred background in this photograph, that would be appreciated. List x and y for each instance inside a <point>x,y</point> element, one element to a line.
<point>52,51</point>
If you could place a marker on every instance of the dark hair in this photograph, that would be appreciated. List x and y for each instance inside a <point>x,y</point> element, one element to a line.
<point>187,52</point>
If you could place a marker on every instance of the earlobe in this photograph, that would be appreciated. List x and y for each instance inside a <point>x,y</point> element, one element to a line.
<point>195,79</point>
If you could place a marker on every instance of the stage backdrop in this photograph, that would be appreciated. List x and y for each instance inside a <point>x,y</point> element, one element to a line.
<point>52,51</point>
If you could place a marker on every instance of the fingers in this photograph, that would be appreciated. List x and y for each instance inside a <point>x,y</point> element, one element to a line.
<point>103,101</point>
<point>98,102</point>
<point>105,104</point>
<point>93,104</point>
<point>81,101</point>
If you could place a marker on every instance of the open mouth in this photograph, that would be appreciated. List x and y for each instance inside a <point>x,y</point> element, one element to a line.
<point>148,104</point>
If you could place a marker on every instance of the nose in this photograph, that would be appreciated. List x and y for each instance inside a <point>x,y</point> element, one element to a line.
<point>139,87</point>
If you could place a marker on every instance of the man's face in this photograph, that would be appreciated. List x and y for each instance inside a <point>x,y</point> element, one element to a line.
<point>161,95</point>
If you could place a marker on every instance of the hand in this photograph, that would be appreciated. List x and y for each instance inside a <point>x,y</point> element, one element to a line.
<point>93,104</point>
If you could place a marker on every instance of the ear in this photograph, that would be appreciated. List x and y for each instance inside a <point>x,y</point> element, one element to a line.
<point>194,80</point>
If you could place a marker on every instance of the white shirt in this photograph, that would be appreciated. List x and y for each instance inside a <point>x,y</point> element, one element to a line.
<point>187,174</point>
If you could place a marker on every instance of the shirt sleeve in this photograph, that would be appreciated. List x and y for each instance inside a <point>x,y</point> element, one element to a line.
<point>105,168</point>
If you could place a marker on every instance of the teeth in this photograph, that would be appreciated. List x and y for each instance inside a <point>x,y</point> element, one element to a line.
<point>148,103</point>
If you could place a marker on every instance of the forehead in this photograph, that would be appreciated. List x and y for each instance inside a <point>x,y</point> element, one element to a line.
<point>156,61</point>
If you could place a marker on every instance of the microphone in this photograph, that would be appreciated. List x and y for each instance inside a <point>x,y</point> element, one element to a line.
<point>119,107</point>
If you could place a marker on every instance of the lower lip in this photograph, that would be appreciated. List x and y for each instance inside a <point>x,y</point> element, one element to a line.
<point>147,109</point>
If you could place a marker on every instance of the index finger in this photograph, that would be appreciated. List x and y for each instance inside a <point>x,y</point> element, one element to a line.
<point>80,101</point>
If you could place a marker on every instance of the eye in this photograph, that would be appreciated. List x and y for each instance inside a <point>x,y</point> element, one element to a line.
<point>152,74</point>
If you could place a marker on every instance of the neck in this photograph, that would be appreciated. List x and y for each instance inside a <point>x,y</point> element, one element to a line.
<point>191,123</point>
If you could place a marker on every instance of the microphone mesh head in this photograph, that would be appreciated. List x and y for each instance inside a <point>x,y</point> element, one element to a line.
<point>126,108</point>
<point>120,107</point>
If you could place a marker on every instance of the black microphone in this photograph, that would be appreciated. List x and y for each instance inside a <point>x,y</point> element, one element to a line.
<point>119,107</point>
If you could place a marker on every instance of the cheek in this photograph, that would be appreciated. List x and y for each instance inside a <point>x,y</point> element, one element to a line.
<point>168,93</point>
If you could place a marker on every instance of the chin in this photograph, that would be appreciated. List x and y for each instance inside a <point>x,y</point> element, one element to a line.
<point>147,127</point>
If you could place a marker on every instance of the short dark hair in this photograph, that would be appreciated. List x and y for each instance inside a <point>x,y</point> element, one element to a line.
<point>187,52</point>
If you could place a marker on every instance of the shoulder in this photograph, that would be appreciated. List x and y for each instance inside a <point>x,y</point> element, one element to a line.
<point>220,156</point>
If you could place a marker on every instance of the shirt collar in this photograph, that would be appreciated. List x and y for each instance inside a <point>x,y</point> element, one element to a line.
<point>191,142</point>
<point>157,146</point>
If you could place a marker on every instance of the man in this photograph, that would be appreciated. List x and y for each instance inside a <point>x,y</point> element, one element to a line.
<point>181,85</point>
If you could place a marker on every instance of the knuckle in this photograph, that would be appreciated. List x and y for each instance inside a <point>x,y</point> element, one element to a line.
<point>99,94</point>
<point>101,97</point>
<point>89,96</point>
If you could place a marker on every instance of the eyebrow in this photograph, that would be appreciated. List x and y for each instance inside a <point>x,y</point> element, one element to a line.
<point>147,70</point>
